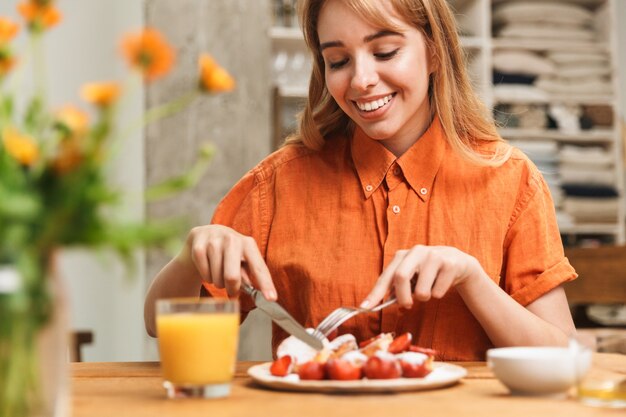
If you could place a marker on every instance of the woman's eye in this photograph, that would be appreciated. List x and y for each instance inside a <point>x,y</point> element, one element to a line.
<point>337,64</point>
<point>386,55</point>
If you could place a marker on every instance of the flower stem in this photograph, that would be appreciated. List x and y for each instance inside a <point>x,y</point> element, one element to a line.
<point>159,112</point>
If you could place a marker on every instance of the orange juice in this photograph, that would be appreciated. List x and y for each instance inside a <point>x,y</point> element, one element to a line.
<point>198,348</point>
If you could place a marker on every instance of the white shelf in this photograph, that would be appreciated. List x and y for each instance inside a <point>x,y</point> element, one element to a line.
<point>591,228</point>
<point>595,135</point>
<point>560,98</point>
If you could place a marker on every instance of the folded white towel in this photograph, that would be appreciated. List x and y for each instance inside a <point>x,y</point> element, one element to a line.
<point>564,58</point>
<point>583,72</point>
<point>522,62</point>
<point>591,86</point>
<point>595,156</point>
<point>591,209</point>
<point>573,173</point>
<point>549,11</point>
<point>546,31</point>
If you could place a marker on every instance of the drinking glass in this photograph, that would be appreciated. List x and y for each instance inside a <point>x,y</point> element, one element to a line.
<point>198,345</point>
<point>603,385</point>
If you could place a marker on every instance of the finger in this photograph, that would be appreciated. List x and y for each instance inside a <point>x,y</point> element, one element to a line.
<point>258,269</point>
<point>383,283</point>
<point>407,271</point>
<point>215,256</point>
<point>429,270</point>
<point>200,259</point>
<point>233,249</point>
<point>444,281</point>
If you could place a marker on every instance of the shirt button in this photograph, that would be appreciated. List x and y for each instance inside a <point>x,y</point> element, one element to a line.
<point>397,171</point>
<point>423,191</point>
<point>396,209</point>
<point>368,188</point>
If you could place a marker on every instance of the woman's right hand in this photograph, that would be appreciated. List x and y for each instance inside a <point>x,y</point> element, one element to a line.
<point>224,257</point>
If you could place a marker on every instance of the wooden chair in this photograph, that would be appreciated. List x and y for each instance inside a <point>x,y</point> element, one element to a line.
<point>77,340</point>
<point>601,280</point>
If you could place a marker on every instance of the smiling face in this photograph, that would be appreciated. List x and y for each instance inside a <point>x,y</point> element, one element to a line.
<point>378,77</point>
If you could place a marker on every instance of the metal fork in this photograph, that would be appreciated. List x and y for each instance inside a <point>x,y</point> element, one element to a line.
<point>338,316</point>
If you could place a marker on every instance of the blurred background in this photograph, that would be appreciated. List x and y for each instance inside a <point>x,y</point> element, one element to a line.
<point>558,90</point>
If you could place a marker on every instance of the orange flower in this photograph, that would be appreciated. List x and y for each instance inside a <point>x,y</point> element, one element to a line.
<point>20,146</point>
<point>8,29</point>
<point>73,119</point>
<point>69,157</point>
<point>101,94</point>
<point>213,78</point>
<point>149,52</point>
<point>7,62</point>
<point>39,16</point>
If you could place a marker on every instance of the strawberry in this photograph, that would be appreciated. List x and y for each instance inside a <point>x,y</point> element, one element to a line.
<point>415,370</point>
<point>400,343</point>
<point>311,371</point>
<point>425,351</point>
<point>281,366</point>
<point>342,370</point>
<point>379,368</point>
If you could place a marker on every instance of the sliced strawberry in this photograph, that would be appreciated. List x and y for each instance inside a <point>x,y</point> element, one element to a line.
<point>342,370</point>
<point>425,351</point>
<point>311,371</point>
<point>379,368</point>
<point>281,366</point>
<point>400,343</point>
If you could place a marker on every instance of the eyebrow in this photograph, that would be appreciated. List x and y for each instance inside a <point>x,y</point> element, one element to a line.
<point>368,38</point>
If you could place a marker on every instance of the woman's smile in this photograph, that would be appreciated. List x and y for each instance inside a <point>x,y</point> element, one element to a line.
<point>371,108</point>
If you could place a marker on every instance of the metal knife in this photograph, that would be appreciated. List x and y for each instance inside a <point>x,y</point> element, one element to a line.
<point>281,317</point>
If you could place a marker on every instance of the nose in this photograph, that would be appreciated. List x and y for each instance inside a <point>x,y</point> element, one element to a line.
<point>364,75</point>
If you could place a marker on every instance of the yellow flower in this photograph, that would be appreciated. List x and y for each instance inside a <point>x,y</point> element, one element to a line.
<point>148,52</point>
<point>8,29</point>
<point>101,94</point>
<point>20,146</point>
<point>73,119</point>
<point>213,78</point>
<point>39,15</point>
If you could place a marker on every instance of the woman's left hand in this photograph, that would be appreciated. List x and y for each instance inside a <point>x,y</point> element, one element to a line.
<point>434,269</point>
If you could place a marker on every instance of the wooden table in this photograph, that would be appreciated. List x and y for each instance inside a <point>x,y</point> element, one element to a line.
<point>135,389</point>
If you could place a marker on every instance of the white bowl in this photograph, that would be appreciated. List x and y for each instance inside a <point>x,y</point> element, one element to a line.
<point>539,370</point>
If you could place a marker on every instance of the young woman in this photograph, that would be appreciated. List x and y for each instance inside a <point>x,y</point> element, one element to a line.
<point>396,182</point>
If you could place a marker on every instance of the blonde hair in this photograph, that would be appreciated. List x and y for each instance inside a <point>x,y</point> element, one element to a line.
<point>464,118</point>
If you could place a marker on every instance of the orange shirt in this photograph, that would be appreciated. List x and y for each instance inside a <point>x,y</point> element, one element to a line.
<point>329,221</point>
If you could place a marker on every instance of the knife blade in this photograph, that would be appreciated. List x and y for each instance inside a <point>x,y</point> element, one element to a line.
<point>281,317</point>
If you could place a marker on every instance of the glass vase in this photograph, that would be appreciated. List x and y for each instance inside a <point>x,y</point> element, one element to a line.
<point>34,336</point>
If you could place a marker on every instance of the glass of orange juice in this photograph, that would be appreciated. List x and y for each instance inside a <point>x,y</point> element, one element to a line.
<point>198,345</point>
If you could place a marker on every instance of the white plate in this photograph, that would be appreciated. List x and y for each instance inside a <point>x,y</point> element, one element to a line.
<point>443,375</point>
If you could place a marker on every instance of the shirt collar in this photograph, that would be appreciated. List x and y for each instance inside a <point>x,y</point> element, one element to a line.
<point>419,163</point>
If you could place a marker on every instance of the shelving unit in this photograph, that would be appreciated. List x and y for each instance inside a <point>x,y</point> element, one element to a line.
<point>479,37</point>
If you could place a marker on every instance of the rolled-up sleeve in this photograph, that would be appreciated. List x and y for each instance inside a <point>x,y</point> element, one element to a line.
<point>534,259</point>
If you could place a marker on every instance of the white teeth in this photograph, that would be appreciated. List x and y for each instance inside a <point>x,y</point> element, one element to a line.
<point>374,105</point>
